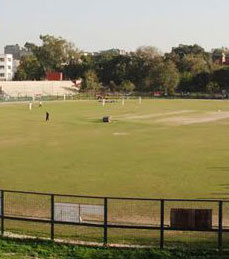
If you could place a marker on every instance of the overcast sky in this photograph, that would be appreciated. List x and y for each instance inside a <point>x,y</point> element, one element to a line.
<point>102,24</point>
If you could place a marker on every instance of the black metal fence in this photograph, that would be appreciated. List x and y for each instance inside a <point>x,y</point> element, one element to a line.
<point>168,223</point>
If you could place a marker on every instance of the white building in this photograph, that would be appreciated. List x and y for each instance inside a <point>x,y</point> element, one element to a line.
<point>6,67</point>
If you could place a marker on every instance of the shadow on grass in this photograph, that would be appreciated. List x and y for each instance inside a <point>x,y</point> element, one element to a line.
<point>225,187</point>
<point>220,168</point>
<point>100,121</point>
<point>224,192</point>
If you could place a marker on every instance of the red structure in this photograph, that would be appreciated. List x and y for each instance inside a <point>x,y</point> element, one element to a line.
<point>54,76</point>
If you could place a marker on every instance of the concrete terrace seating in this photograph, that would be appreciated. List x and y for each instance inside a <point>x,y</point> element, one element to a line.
<point>37,88</point>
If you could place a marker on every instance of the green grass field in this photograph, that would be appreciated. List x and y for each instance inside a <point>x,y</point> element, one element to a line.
<point>159,149</point>
<point>25,249</point>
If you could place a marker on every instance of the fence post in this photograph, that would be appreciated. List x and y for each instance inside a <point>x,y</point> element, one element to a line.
<point>2,213</point>
<point>105,222</point>
<point>220,230</point>
<point>52,216</point>
<point>162,224</point>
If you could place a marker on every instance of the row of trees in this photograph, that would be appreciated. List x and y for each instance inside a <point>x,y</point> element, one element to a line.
<point>185,69</point>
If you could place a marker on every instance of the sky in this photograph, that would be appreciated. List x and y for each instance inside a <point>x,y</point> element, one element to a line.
<point>127,24</point>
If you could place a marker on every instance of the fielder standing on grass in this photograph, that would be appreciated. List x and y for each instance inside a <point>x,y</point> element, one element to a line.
<point>47,116</point>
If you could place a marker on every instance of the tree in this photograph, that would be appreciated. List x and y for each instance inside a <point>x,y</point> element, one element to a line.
<point>195,74</point>
<point>76,68</point>
<point>182,54</point>
<point>139,69</point>
<point>169,77</point>
<point>195,67</point>
<point>212,87</point>
<point>152,80</point>
<point>127,86</point>
<point>113,86</point>
<point>91,82</point>
<point>182,50</point>
<point>162,76</point>
<point>54,53</point>
<point>110,67</point>
<point>29,69</point>
<point>195,64</point>
<point>148,52</point>
<point>221,77</point>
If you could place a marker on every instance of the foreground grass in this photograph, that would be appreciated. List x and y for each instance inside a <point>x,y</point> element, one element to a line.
<point>23,249</point>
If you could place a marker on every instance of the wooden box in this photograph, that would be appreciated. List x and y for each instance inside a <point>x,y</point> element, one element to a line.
<point>193,219</point>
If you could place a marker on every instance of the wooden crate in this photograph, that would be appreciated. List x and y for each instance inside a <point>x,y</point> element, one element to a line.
<point>193,219</point>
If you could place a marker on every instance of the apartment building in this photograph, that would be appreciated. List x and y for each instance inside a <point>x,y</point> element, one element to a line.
<point>6,67</point>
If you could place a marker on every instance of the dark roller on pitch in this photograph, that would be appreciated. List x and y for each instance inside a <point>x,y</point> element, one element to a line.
<point>107,119</point>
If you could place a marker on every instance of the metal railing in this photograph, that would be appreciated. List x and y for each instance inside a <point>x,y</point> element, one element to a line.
<point>117,221</point>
